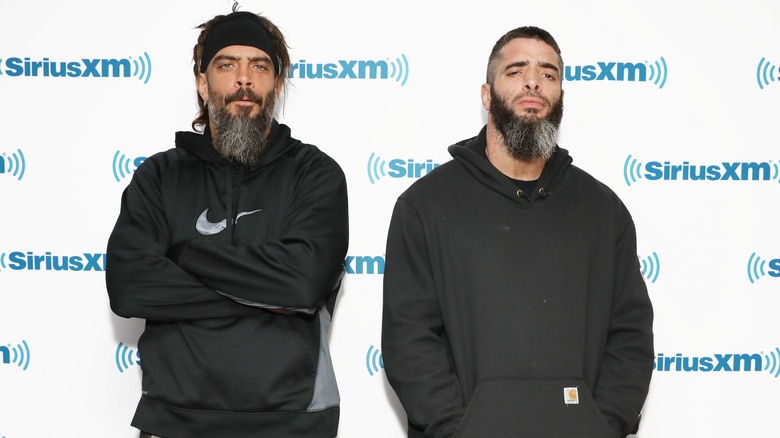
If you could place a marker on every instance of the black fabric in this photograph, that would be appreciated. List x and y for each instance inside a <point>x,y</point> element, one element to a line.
<point>213,355</point>
<point>526,187</point>
<point>203,424</point>
<point>508,408</point>
<point>238,29</point>
<point>482,283</point>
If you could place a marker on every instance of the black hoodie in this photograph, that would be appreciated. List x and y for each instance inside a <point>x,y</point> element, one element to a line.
<point>511,314</point>
<point>201,250</point>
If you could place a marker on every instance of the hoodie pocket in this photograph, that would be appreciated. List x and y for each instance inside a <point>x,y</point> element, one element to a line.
<point>534,408</point>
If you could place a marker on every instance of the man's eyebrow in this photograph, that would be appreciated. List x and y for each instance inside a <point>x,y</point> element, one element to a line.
<point>225,57</point>
<point>263,58</point>
<point>524,63</point>
<point>549,65</point>
<point>516,64</point>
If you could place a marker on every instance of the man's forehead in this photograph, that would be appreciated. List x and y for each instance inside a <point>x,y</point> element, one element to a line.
<point>528,49</point>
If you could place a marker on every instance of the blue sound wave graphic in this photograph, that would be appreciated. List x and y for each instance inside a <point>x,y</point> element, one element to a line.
<point>765,73</point>
<point>631,170</point>
<point>16,165</point>
<point>121,166</point>
<point>374,361</point>
<point>143,67</point>
<point>2,260</point>
<point>651,267</point>
<point>755,268</point>
<point>21,355</point>
<point>772,362</point>
<point>402,71</point>
<point>659,71</point>
<point>125,357</point>
<point>375,168</point>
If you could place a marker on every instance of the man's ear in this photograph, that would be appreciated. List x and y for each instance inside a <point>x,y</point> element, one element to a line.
<point>485,93</point>
<point>203,86</point>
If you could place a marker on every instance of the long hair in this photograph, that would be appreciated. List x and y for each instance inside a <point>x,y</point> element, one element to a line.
<point>282,57</point>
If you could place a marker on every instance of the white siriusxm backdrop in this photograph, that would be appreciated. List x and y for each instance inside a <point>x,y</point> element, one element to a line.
<point>710,110</point>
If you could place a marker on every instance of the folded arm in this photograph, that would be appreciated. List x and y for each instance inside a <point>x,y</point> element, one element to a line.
<point>141,281</point>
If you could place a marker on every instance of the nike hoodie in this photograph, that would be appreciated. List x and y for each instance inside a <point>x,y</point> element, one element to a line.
<point>511,314</point>
<point>236,272</point>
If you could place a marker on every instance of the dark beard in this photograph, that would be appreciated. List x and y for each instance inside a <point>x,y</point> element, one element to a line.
<point>240,139</point>
<point>526,137</point>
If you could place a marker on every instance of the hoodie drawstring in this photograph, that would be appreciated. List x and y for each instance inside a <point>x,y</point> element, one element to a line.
<point>231,202</point>
<point>229,205</point>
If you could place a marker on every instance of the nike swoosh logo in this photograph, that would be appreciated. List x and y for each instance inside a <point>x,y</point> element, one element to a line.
<point>208,228</point>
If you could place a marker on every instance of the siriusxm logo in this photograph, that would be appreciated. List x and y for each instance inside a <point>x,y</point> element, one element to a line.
<point>397,168</point>
<point>121,165</point>
<point>633,170</point>
<point>651,266</point>
<point>125,357</point>
<point>83,68</point>
<point>365,264</point>
<point>734,362</point>
<point>755,268</point>
<point>18,355</point>
<point>20,261</point>
<point>765,73</point>
<point>374,361</point>
<point>13,164</point>
<point>397,70</point>
<point>651,72</point>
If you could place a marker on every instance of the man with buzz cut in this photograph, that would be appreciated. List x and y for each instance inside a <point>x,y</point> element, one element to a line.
<point>514,305</point>
<point>231,247</point>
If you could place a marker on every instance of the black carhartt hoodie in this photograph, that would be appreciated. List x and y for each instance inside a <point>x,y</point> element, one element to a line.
<point>201,250</point>
<point>510,314</point>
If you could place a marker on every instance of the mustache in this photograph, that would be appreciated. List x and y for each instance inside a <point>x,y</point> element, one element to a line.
<point>534,95</point>
<point>244,93</point>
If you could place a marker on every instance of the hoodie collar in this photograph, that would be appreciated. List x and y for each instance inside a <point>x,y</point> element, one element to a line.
<point>471,153</point>
<point>279,141</point>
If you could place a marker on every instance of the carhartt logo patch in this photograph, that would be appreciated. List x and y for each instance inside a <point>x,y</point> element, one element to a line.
<point>208,228</point>
<point>571,396</point>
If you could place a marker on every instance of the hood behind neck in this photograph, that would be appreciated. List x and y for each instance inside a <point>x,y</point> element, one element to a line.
<point>279,141</point>
<point>471,153</point>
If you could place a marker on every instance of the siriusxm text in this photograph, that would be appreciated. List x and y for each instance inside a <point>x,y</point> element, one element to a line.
<point>607,71</point>
<point>30,261</point>
<point>341,69</point>
<point>5,354</point>
<point>409,168</point>
<point>98,68</point>
<point>715,363</point>
<point>365,264</point>
<point>774,265</point>
<point>740,171</point>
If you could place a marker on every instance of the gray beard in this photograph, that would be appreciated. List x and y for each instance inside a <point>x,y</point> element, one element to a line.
<point>241,139</point>
<point>531,140</point>
<point>526,137</point>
